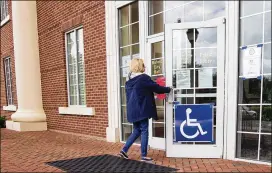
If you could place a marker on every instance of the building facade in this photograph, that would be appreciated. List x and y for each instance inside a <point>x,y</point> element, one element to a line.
<point>64,66</point>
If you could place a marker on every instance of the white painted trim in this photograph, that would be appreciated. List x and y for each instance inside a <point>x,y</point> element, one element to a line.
<point>6,20</point>
<point>77,110</point>
<point>253,161</point>
<point>10,108</point>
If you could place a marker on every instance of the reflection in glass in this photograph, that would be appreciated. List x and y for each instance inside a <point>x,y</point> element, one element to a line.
<point>182,59</point>
<point>173,15</point>
<point>249,91</point>
<point>248,118</point>
<point>156,24</point>
<point>173,4</point>
<point>247,146</point>
<point>207,37</point>
<point>124,114</point>
<point>206,57</point>
<point>250,7</point>
<point>125,51</point>
<point>267,27</point>
<point>124,15</point>
<point>134,33</point>
<point>185,100</point>
<point>214,9</point>
<point>135,51</point>
<point>126,131</point>
<point>267,89</point>
<point>266,119</point>
<point>205,100</point>
<point>193,12</point>
<point>251,30</point>
<point>124,36</point>
<point>160,112</point>
<point>157,67</point>
<point>265,148</point>
<point>123,96</point>
<point>156,50</point>
<point>181,39</point>
<point>159,102</point>
<point>134,12</point>
<point>155,7</point>
<point>123,79</point>
<point>267,59</point>
<point>158,130</point>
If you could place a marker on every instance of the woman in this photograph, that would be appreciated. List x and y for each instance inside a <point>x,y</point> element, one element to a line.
<point>140,106</point>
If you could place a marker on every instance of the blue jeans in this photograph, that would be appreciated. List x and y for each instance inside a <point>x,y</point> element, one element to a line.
<point>139,128</point>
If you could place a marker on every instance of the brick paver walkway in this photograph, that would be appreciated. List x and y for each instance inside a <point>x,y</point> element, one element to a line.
<point>32,152</point>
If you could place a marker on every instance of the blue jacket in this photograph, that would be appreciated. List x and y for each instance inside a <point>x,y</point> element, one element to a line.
<point>140,98</point>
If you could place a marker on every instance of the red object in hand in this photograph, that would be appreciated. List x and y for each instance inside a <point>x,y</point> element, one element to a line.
<point>161,81</point>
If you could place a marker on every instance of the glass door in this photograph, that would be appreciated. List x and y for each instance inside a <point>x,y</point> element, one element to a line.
<point>195,69</point>
<point>155,62</point>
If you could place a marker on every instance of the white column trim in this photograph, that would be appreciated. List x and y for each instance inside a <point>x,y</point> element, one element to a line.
<point>112,72</point>
<point>232,80</point>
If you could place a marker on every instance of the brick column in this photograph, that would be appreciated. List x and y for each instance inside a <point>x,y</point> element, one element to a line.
<point>30,115</point>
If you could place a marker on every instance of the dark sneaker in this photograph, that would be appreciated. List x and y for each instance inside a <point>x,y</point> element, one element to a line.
<point>147,159</point>
<point>123,155</point>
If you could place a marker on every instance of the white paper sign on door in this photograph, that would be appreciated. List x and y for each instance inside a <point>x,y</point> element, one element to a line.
<point>251,62</point>
<point>126,61</point>
<point>205,78</point>
<point>183,79</point>
<point>125,71</point>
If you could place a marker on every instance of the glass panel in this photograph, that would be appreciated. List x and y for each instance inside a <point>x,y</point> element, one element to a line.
<point>251,7</point>
<point>135,51</point>
<point>127,130</point>
<point>173,4</point>
<point>183,79</point>
<point>156,50</point>
<point>73,100</point>
<point>156,24</point>
<point>267,59</point>
<point>124,36</point>
<point>206,37</point>
<point>206,57</point>
<point>267,27</point>
<point>248,118</point>
<point>214,9</point>
<point>155,7</point>
<point>159,102</point>
<point>124,75</point>
<point>267,5</point>
<point>173,15</point>
<point>158,130</point>
<point>185,100</point>
<point>157,67</point>
<point>251,30</point>
<point>265,148</point>
<point>206,78</point>
<point>249,91</point>
<point>160,112</point>
<point>124,114</point>
<point>82,99</point>
<point>267,89</point>
<point>123,96</point>
<point>125,51</point>
<point>266,119</point>
<point>194,12</point>
<point>205,100</point>
<point>135,33</point>
<point>134,12</point>
<point>247,146</point>
<point>183,59</point>
<point>124,16</point>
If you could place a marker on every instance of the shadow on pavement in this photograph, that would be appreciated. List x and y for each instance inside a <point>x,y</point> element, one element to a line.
<point>107,163</point>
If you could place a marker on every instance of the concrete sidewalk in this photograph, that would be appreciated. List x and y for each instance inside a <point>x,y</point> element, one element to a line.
<point>56,152</point>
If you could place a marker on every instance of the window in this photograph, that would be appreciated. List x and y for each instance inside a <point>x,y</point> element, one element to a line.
<point>4,9</point>
<point>254,103</point>
<point>75,67</point>
<point>8,80</point>
<point>129,48</point>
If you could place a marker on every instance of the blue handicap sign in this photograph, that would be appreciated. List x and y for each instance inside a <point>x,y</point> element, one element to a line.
<point>194,123</point>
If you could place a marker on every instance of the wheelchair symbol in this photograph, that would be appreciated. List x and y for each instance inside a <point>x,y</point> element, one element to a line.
<point>191,122</point>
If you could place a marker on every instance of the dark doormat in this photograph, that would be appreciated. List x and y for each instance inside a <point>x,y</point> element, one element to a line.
<point>107,163</point>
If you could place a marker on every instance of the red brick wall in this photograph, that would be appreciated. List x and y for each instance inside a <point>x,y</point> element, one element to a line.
<point>54,18</point>
<point>7,51</point>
